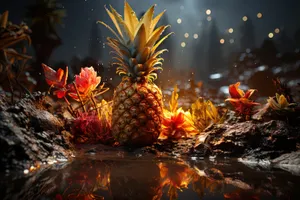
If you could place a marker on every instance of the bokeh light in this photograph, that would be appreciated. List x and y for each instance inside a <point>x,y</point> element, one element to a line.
<point>208,18</point>
<point>179,21</point>
<point>196,36</point>
<point>186,35</point>
<point>259,15</point>
<point>230,30</point>
<point>245,18</point>
<point>208,11</point>
<point>222,41</point>
<point>277,30</point>
<point>231,41</point>
<point>183,44</point>
<point>271,35</point>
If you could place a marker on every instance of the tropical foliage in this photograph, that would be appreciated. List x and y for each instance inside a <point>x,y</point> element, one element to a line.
<point>204,113</point>
<point>93,123</point>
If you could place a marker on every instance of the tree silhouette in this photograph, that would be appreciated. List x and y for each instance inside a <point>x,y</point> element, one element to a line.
<point>75,65</point>
<point>247,35</point>
<point>95,42</point>
<point>267,53</point>
<point>201,53</point>
<point>285,43</point>
<point>167,44</point>
<point>297,38</point>
<point>44,16</point>
<point>214,49</point>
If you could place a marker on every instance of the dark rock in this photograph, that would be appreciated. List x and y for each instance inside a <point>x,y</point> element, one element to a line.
<point>29,133</point>
<point>252,138</point>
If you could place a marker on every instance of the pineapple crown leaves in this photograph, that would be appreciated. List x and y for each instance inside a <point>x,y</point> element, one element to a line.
<point>136,42</point>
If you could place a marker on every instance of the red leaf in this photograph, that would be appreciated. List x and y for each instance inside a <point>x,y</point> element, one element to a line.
<point>57,79</point>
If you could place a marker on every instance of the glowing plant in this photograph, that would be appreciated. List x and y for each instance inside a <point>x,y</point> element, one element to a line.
<point>204,113</point>
<point>105,110</point>
<point>176,123</point>
<point>137,103</point>
<point>241,100</point>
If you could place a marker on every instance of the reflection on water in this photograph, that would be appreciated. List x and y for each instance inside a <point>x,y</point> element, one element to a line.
<point>150,178</point>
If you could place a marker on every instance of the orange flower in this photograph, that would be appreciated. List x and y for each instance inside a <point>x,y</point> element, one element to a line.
<point>56,79</point>
<point>241,100</point>
<point>86,82</point>
<point>176,125</point>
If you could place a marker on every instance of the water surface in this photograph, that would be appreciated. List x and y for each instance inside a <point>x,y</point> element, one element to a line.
<point>120,175</point>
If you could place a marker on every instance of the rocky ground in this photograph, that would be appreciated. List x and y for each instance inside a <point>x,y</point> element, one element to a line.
<point>30,134</point>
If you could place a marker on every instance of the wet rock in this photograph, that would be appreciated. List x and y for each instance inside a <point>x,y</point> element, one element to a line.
<point>289,162</point>
<point>182,147</point>
<point>29,133</point>
<point>259,140</point>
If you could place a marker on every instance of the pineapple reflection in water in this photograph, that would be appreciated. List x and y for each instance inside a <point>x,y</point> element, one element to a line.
<point>137,103</point>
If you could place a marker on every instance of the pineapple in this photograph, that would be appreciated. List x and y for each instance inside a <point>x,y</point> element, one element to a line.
<point>137,103</point>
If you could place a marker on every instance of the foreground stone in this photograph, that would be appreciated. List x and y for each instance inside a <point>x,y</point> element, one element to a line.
<point>30,134</point>
<point>259,140</point>
<point>251,140</point>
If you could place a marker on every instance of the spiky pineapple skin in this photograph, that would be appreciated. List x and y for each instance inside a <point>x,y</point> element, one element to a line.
<point>137,113</point>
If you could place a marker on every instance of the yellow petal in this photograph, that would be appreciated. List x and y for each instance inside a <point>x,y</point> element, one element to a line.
<point>283,102</point>
<point>273,104</point>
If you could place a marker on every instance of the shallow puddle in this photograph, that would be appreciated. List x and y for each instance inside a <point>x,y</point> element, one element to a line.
<point>120,175</point>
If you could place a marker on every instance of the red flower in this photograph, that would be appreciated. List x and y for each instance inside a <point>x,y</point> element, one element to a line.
<point>86,82</point>
<point>241,100</point>
<point>56,79</point>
